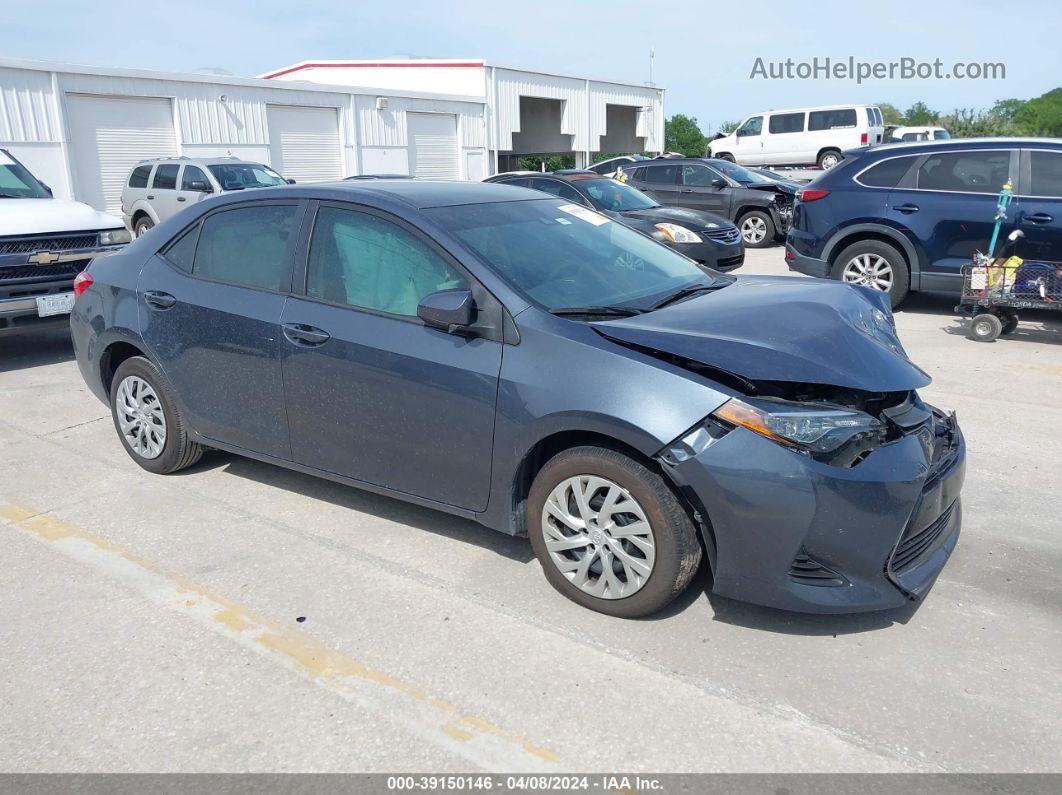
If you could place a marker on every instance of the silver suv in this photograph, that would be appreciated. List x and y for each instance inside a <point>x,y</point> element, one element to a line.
<point>157,189</point>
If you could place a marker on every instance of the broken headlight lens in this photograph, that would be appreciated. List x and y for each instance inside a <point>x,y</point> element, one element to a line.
<point>816,428</point>
<point>678,234</point>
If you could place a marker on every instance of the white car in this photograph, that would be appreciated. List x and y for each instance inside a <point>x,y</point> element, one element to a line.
<point>44,243</point>
<point>157,189</point>
<point>608,168</point>
<point>908,134</point>
<point>800,136</point>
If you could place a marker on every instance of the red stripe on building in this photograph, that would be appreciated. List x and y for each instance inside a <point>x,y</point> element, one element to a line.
<point>426,64</point>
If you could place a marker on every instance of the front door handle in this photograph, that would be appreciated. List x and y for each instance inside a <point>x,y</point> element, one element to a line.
<point>305,335</point>
<point>180,198</point>
<point>159,300</point>
<point>151,197</point>
<point>906,208</point>
<point>1038,218</point>
<point>687,190</point>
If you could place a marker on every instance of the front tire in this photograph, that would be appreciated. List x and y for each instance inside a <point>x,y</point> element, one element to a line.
<point>985,327</point>
<point>609,532</point>
<point>146,418</point>
<point>142,226</point>
<point>873,264</point>
<point>757,229</point>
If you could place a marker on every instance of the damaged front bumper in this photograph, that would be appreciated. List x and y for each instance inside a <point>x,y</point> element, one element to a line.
<point>787,531</point>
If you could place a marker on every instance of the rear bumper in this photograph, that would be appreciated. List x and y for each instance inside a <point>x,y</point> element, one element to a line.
<point>797,534</point>
<point>802,263</point>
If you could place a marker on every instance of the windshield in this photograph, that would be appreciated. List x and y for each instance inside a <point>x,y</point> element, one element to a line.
<point>562,255</point>
<point>17,183</point>
<point>616,197</point>
<point>237,176</point>
<point>738,173</point>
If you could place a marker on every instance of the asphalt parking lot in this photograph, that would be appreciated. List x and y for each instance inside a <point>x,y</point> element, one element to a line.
<point>238,616</point>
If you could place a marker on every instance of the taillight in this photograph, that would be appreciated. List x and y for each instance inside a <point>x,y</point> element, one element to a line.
<point>863,139</point>
<point>812,194</point>
<point>81,283</point>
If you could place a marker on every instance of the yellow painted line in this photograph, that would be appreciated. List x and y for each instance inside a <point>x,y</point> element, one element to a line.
<point>482,743</point>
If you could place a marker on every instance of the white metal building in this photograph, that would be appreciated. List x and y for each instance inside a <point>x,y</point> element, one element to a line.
<point>81,129</point>
<point>527,112</point>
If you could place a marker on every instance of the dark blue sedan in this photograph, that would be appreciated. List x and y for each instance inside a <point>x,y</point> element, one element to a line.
<point>537,367</point>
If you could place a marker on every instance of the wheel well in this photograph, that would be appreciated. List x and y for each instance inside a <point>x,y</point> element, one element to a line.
<point>859,237</point>
<point>112,358</point>
<point>557,443</point>
<point>138,215</point>
<point>826,149</point>
<point>742,212</point>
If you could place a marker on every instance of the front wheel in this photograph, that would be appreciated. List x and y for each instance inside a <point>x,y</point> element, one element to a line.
<point>609,532</point>
<point>985,327</point>
<point>873,264</point>
<point>142,226</point>
<point>757,229</point>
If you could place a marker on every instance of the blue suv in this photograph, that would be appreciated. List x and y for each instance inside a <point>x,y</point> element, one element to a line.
<point>907,217</point>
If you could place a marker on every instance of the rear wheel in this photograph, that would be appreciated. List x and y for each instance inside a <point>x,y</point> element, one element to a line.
<point>985,327</point>
<point>1010,321</point>
<point>147,420</point>
<point>828,159</point>
<point>874,264</point>
<point>610,534</point>
<point>757,229</point>
<point>142,226</point>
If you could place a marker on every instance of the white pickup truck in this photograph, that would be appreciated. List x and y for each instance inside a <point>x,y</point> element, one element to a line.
<point>44,243</point>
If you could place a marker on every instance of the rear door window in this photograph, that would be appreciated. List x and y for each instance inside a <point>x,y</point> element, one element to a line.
<point>887,173</point>
<point>661,175</point>
<point>139,177</point>
<point>967,172</point>
<point>831,119</point>
<point>1046,174</point>
<point>246,246</point>
<point>166,177</point>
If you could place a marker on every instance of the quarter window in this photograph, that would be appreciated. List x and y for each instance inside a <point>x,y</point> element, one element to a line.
<point>1046,174</point>
<point>246,246</point>
<point>887,173</point>
<point>166,177</point>
<point>969,172</point>
<point>364,261</point>
<point>181,252</point>
<point>139,177</point>
<point>831,119</point>
<point>786,123</point>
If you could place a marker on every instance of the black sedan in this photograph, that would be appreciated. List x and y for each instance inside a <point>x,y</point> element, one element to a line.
<point>704,237</point>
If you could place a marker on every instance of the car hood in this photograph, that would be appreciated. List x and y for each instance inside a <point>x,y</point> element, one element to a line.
<point>43,216</point>
<point>692,219</point>
<point>781,329</point>
<point>790,188</point>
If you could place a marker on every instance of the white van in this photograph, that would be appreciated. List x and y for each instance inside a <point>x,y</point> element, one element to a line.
<point>800,136</point>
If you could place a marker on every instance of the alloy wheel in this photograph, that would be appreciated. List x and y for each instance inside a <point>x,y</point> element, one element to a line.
<point>753,230</point>
<point>598,536</point>
<point>141,418</point>
<point>869,270</point>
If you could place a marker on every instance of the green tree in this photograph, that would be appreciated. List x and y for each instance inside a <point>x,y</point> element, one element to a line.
<point>553,162</point>
<point>890,114</point>
<point>681,134</point>
<point>919,114</point>
<point>1005,109</point>
<point>728,127</point>
<point>973,123</point>
<point>1041,116</point>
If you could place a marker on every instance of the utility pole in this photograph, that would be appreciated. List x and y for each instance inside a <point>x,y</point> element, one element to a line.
<point>652,54</point>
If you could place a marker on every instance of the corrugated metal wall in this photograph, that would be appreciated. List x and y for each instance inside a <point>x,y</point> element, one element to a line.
<point>510,85</point>
<point>650,116</point>
<point>27,109</point>
<point>389,127</point>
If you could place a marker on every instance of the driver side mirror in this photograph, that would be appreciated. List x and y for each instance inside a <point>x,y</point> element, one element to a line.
<point>200,185</point>
<point>718,182</point>
<point>448,310</point>
<point>290,181</point>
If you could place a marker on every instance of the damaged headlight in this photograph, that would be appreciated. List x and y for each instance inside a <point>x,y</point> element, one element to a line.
<point>677,234</point>
<point>815,428</point>
<point>114,237</point>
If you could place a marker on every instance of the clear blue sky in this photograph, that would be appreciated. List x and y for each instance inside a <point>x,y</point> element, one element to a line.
<point>704,50</point>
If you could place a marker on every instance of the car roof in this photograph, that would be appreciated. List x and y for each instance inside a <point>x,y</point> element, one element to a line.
<point>813,107</point>
<point>568,175</point>
<point>421,194</point>
<point>960,143</point>
<point>206,161</point>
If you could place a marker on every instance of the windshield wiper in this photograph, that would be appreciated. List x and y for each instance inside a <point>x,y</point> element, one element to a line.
<point>11,196</point>
<point>614,311</point>
<point>686,292</point>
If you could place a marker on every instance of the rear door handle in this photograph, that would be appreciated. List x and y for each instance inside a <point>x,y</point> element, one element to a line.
<point>1038,218</point>
<point>180,198</point>
<point>305,335</point>
<point>906,208</point>
<point>151,197</point>
<point>159,300</point>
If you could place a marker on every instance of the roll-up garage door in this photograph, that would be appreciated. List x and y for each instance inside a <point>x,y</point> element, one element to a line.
<point>433,139</point>
<point>304,143</point>
<point>108,136</point>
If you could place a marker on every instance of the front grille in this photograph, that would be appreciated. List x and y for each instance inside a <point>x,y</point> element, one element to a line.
<point>805,570</point>
<point>914,546</point>
<point>27,245</point>
<point>43,273</point>
<point>726,234</point>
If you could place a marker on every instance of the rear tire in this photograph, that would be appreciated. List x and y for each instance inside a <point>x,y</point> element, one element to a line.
<point>146,418</point>
<point>828,159</point>
<point>142,226</point>
<point>985,327</point>
<point>876,265</point>
<point>648,541</point>
<point>1010,322</point>
<point>757,229</point>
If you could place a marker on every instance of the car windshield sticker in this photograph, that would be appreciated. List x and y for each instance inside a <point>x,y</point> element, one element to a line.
<point>584,214</point>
